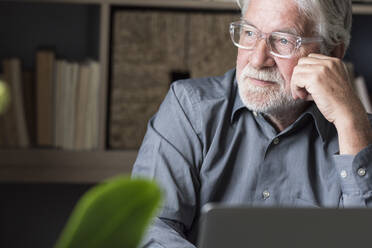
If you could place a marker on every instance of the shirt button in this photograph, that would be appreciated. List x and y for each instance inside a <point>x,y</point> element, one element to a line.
<point>276,141</point>
<point>343,174</point>
<point>362,172</point>
<point>266,194</point>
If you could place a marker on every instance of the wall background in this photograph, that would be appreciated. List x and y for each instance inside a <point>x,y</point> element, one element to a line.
<point>360,50</point>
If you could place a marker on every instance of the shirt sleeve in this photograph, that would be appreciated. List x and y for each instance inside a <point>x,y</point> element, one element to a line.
<point>170,154</point>
<point>356,180</point>
<point>165,233</point>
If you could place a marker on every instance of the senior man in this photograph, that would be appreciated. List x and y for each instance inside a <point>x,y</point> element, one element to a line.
<point>283,129</point>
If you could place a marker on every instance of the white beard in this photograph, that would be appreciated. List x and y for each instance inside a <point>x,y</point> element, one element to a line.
<point>272,100</point>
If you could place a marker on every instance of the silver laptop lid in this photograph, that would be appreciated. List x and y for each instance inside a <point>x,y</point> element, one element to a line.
<point>242,226</point>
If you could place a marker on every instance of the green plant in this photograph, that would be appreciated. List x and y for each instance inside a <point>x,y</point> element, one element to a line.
<point>112,214</point>
<point>4,97</point>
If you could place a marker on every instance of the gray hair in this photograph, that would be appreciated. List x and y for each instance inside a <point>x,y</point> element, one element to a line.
<point>332,19</point>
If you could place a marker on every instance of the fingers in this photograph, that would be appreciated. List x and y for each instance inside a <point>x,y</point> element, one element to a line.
<point>298,84</point>
<point>308,61</point>
<point>318,56</point>
<point>327,64</point>
<point>299,93</point>
<point>304,79</point>
<point>309,98</point>
<point>324,80</point>
<point>311,71</point>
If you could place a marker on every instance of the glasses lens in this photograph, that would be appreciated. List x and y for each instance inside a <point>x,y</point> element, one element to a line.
<point>243,36</point>
<point>282,44</point>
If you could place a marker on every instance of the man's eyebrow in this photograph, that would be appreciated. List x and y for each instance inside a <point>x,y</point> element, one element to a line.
<point>292,31</point>
<point>289,30</point>
<point>248,23</point>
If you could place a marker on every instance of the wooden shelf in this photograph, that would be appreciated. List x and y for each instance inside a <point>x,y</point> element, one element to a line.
<point>209,4</point>
<point>58,1</point>
<point>202,4</point>
<point>358,8</point>
<point>362,9</point>
<point>44,165</point>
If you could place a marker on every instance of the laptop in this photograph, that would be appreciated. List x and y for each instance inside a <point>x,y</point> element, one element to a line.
<point>224,226</point>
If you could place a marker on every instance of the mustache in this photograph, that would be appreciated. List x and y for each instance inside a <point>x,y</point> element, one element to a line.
<point>271,74</point>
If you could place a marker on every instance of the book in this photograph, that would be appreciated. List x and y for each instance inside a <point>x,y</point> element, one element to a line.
<point>28,82</point>
<point>64,107</point>
<point>71,92</point>
<point>45,97</point>
<point>93,117</point>
<point>87,107</point>
<point>81,105</point>
<point>70,105</point>
<point>58,115</point>
<point>14,121</point>
<point>76,104</point>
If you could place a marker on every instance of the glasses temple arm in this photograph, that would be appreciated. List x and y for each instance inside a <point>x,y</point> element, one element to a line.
<point>309,40</point>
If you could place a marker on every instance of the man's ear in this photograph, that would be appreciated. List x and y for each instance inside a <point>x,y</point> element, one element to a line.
<point>338,51</point>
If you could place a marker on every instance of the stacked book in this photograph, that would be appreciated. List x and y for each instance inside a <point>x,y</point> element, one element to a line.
<point>56,106</point>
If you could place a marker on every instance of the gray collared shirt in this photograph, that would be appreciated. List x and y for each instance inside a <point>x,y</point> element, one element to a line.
<point>204,145</point>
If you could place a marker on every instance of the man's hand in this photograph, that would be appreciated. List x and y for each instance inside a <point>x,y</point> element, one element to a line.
<point>325,80</point>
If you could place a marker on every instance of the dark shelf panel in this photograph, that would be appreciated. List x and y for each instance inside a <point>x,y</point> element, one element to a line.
<point>39,165</point>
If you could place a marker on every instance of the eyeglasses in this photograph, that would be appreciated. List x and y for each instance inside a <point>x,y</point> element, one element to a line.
<point>282,45</point>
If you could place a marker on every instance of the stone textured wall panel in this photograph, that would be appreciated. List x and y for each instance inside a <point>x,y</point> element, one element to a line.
<point>211,52</point>
<point>147,47</point>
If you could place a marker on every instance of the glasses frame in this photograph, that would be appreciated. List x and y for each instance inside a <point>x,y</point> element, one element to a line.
<point>261,35</point>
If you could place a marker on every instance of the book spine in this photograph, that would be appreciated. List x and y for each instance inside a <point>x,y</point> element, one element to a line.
<point>44,97</point>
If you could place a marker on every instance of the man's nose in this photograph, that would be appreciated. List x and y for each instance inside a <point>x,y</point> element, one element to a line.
<point>260,56</point>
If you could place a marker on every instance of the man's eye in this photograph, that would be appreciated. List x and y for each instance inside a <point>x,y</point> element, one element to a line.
<point>283,41</point>
<point>248,33</point>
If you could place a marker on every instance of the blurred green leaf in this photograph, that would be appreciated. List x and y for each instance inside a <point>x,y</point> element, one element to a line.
<point>112,214</point>
<point>4,97</point>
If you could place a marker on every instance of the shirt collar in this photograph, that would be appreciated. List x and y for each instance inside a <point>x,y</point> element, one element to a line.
<point>321,123</point>
<point>238,103</point>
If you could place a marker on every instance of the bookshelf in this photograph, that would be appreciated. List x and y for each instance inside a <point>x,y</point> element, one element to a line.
<point>59,166</point>
<point>362,9</point>
<point>64,166</point>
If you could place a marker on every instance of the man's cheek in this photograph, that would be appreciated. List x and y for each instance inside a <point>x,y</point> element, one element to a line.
<point>287,76</point>
<point>287,71</point>
<point>242,60</point>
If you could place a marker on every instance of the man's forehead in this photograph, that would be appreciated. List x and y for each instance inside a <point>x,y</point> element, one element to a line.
<point>295,30</point>
<point>276,16</point>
